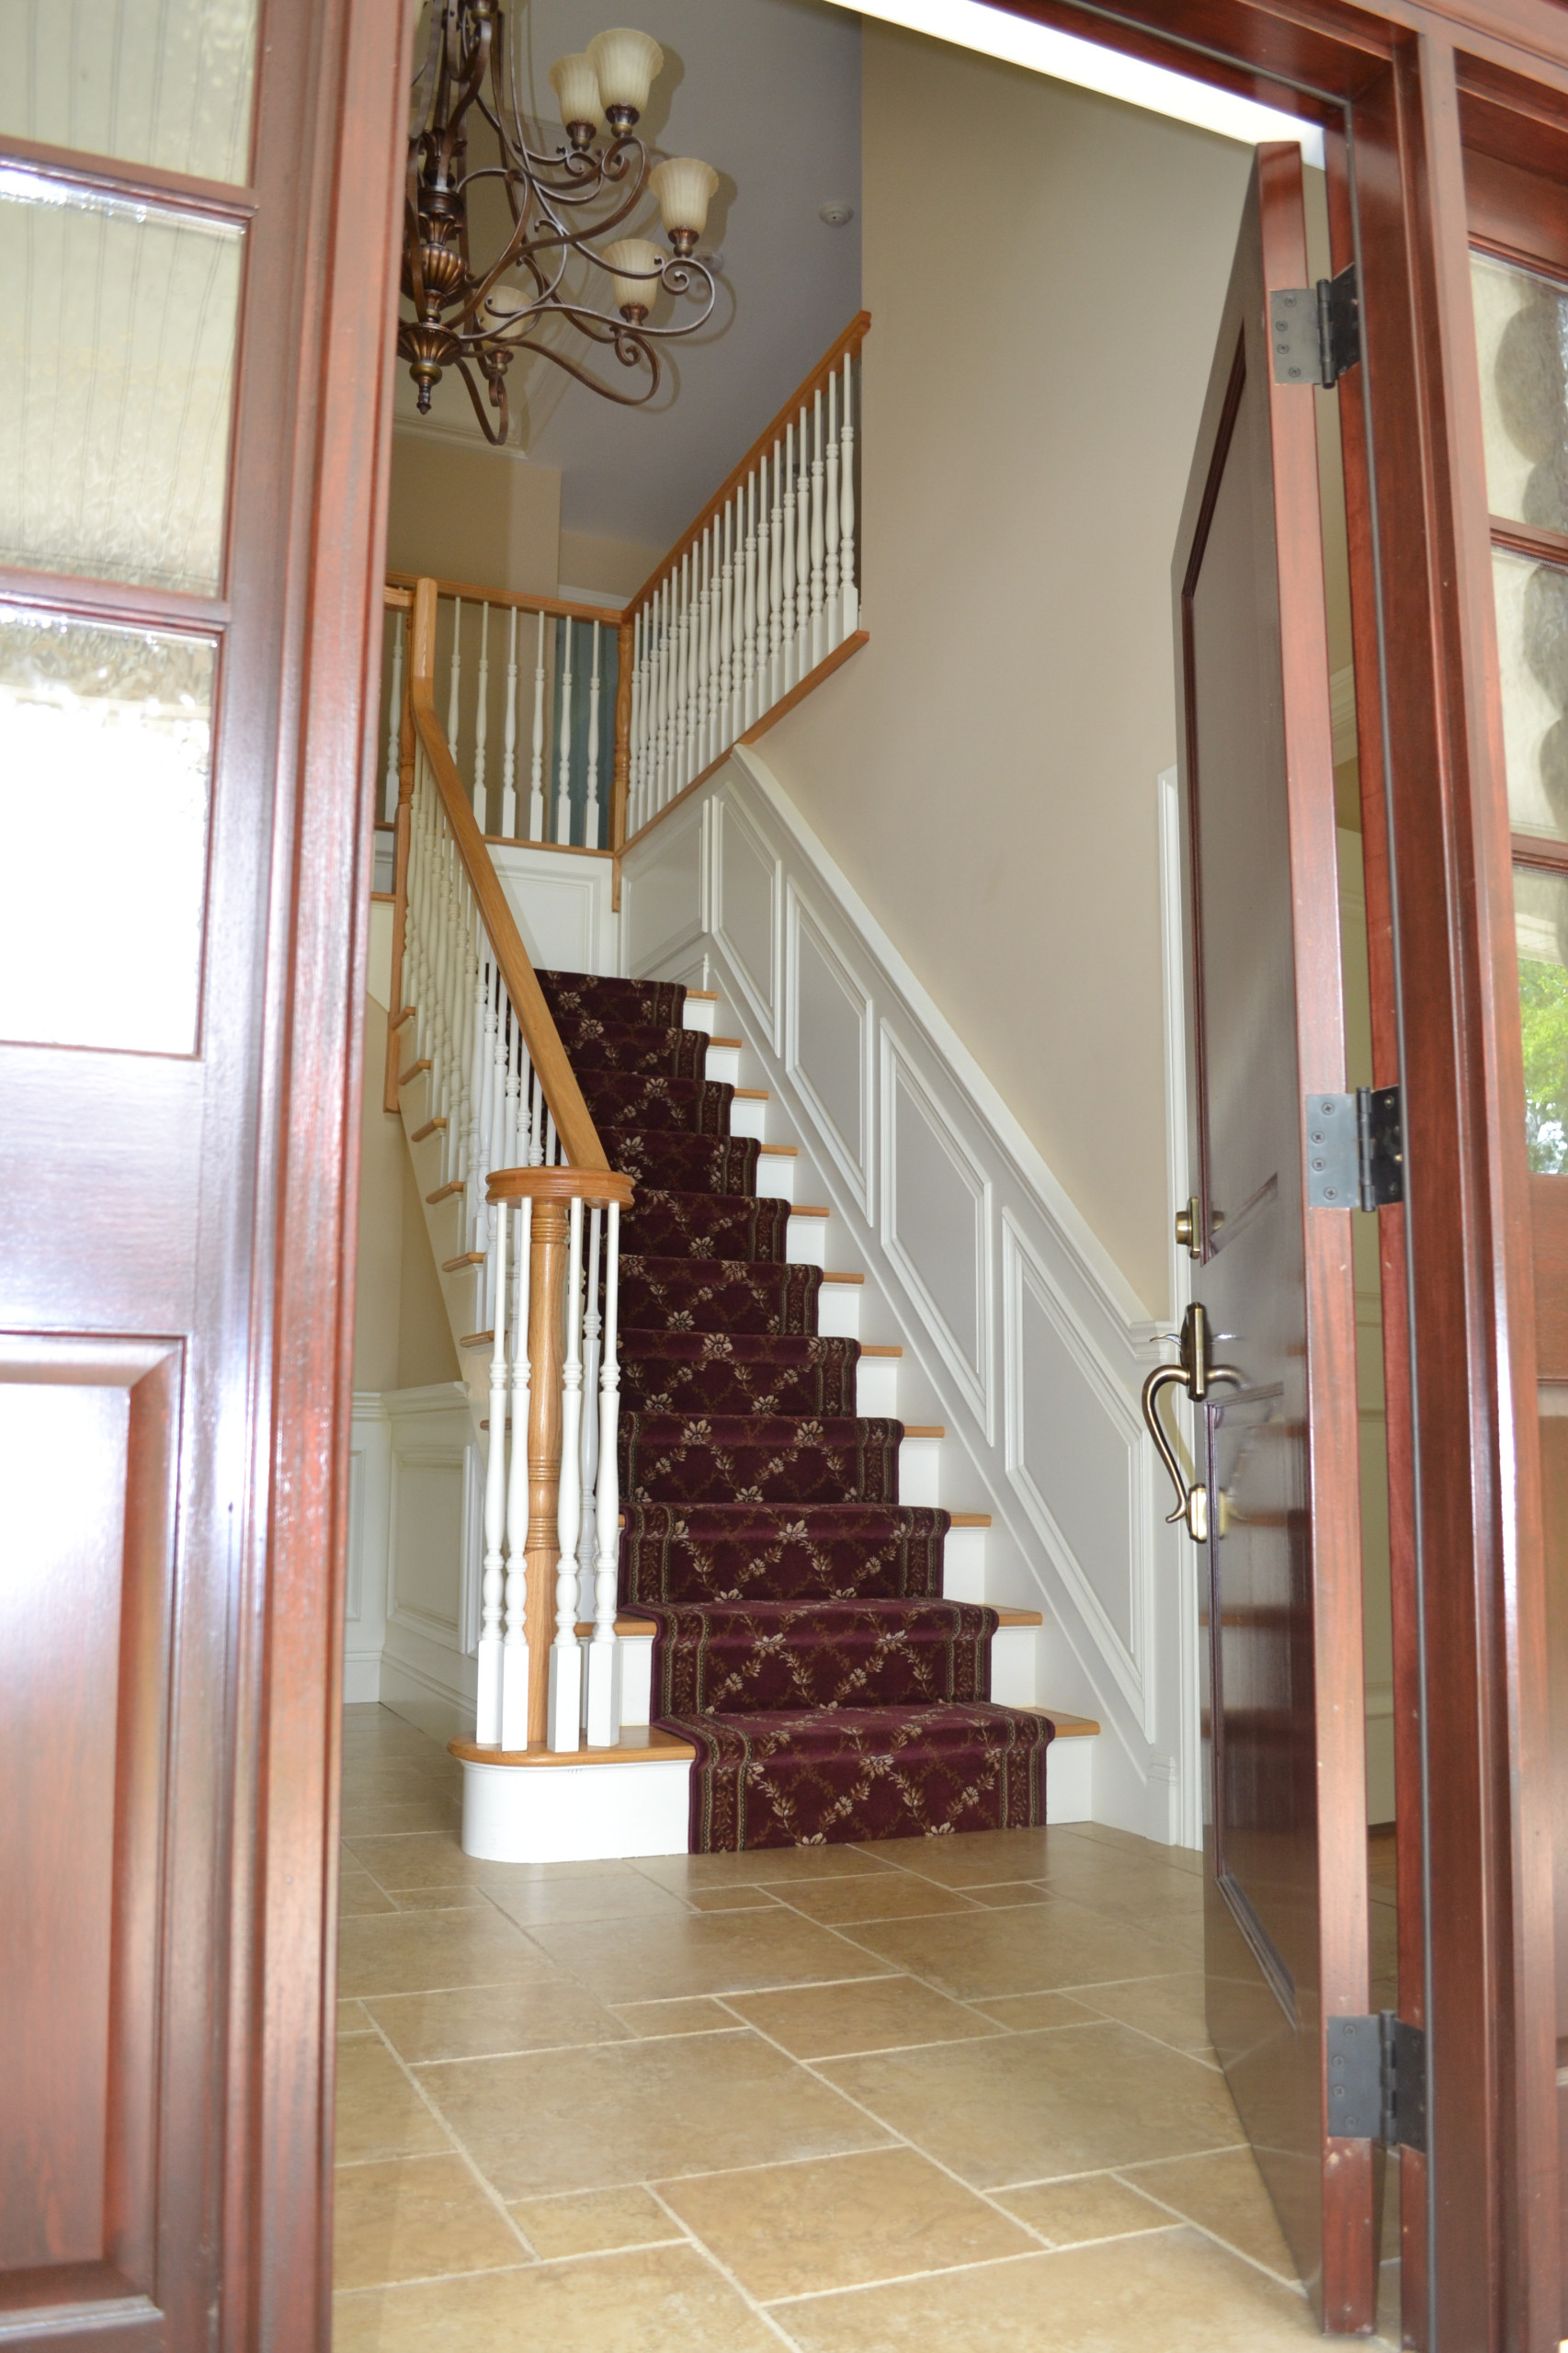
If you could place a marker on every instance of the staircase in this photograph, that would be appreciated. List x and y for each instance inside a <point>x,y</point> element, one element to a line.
<point>803,1643</point>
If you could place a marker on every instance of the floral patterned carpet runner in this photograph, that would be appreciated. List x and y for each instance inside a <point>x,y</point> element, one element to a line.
<point>804,1645</point>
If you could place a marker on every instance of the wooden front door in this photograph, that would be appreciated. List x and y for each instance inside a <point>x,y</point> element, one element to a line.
<point>198,219</point>
<point>1277,1508</point>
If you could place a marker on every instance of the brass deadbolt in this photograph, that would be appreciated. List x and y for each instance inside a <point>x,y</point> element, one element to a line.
<point>1189,1228</point>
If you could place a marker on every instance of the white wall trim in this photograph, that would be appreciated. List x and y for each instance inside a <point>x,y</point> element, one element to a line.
<point>1038,1305</point>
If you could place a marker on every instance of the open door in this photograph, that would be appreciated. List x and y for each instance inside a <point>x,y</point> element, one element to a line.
<point>1269,1352</point>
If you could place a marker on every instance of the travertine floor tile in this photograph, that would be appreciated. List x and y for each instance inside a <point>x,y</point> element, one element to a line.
<point>1170,2008</point>
<point>1171,2292</point>
<point>1091,2206</point>
<point>532,2013</point>
<point>658,2299</point>
<point>882,1896</point>
<point>1038,1951</point>
<point>1035,2107</point>
<point>414,2218</point>
<point>408,1952</point>
<point>352,2019</point>
<point>358,1894</point>
<point>628,2111</point>
<point>367,1817</point>
<point>697,2015</point>
<point>595,2221</point>
<point>762,1866</point>
<point>1020,2013</point>
<point>979,1858</point>
<point>716,1952</point>
<point>416,1859</point>
<point>877,2013</point>
<point>730,1899</point>
<point>380,2114</point>
<point>626,1896</point>
<point>1224,2194</point>
<point>439,1899</point>
<point>794,2230</point>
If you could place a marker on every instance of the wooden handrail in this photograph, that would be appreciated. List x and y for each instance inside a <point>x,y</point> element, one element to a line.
<point>523,598</point>
<point>854,335</point>
<point>574,1123</point>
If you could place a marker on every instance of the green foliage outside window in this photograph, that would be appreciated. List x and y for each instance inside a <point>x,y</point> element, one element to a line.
<point>1543,1009</point>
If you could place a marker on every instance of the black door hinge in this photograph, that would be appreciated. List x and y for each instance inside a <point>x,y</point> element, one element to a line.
<point>1354,1149</point>
<point>1377,2081</point>
<point>1316,330</point>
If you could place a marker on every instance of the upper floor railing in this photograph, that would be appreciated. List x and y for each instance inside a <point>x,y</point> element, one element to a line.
<point>573,727</point>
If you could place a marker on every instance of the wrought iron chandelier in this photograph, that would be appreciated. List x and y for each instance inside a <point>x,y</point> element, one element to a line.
<point>477,317</point>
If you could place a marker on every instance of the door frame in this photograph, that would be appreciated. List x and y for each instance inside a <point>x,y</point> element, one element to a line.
<point>1391,83</point>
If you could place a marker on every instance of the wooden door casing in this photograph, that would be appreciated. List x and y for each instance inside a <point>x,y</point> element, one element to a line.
<point>1286,1920</point>
<point>174,1348</point>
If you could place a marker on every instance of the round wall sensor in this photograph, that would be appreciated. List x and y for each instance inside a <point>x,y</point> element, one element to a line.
<point>835,212</point>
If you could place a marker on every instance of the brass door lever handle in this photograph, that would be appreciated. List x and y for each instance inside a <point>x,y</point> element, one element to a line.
<point>1197,1375</point>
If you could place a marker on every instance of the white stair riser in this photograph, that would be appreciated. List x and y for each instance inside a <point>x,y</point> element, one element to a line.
<point>776,1176</point>
<point>805,1243</point>
<point>876,1386</point>
<point>723,1065</point>
<point>1070,1779</point>
<point>699,1013</point>
<point>1014,1651</point>
<point>963,1564</point>
<point>839,1311</point>
<point>636,1676</point>
<point>919,1473</point>
<point>586,1812</point>
<point>748,1118</point>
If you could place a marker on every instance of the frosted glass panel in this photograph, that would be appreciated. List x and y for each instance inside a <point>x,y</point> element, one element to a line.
<point>164,82</point>
<point>105,765</point>
<point>1540,915</point>
<point>1521,332</point>
<point>1532,663</point>
<point>114,432</point>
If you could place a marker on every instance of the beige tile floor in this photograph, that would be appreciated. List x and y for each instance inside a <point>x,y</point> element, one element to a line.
<point>938,2094</point>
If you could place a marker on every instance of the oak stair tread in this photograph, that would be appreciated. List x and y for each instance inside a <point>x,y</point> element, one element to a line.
<point>430,1128</point>
<point>803,1209</point>
<point>1067,1727</point>
<point>844,1279</point>
<point>406,1077</point>
<point>751,1095</point>
<point>781,1150</point>
<point>925,1429</point>
<point>464,1259</point>
<point>638,1744</point>
<point>444,1192</point>
<point>879,1348</point>
<point>970,1519</point>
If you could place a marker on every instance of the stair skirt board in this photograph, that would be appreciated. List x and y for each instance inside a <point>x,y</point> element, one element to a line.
<point>804,1651</point>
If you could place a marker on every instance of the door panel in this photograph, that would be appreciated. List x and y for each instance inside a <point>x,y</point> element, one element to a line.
<point>1286,1932</point>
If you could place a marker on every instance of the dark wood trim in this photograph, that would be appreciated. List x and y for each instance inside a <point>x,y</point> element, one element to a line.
<point>115,600</point>
<point>1528,539</point>
<point>1536,850</point>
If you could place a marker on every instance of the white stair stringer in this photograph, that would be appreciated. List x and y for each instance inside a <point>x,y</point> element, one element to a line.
<point>462,1290</point>
<point>1020,1335</point>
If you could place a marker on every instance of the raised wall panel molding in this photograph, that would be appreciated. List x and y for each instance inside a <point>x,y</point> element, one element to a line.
<point>561,905</point>
<point>936,1219</point>
<point>663,895</point>
<point>1067,1404</point>
<point>747,908</point>
<point>829,1043</point>
<point>369,1507</point>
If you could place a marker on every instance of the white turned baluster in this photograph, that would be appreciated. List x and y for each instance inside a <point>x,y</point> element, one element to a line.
<point>394,721</point>
<point>454,678</point>
<point>604,1651</point>
<point>536,770</point>
<point>834,630</point>
<point>565,1655</point>
<point>482,1219</point>
<point>702,698</point>
<point>482,720</point>
<point>563,741</point>
<point>515,1649</point>
<point>847,511</point>
<point>666,691</point>
<point>735,652</point>
<point>487,1727</point>
<point>639,685</point>
<point>819,469</point>
<point>803,554</point>
<point>587,1534</point>
<point>509,739</point>
<point>748,619</point>
<point>591,807</point>
<point>723,733</point>
<point>680,622</point>
<point>776,574</point>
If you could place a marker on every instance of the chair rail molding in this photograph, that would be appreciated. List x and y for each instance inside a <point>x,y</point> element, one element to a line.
<point>1030,1337</point>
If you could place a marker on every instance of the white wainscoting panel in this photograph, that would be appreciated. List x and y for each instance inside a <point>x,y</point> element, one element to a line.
<point>561,900</point>
<point>937,1222</point>
<point>1076,1453</point>
<point>830,1044</point>
<point>747,895</point>
<point>662,897</point>
<point>1019,1333</point>
<point>433,1564</point>
<point>369,1502</point>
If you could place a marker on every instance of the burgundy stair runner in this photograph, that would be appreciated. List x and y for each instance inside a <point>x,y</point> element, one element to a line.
<point>802,1644</point>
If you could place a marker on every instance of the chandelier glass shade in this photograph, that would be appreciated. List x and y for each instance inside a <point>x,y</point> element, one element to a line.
<point>562,281</point>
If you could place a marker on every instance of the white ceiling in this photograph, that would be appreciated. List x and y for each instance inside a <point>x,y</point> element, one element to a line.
<point>769,91</point>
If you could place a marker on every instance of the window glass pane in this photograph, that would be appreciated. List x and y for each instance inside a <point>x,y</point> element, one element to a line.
<point>1532,663</point>
<point>114,433</point>
<point>1540,917</point>
<point>105,744</point>
<point>164,82</point>
<point>1521,332</point>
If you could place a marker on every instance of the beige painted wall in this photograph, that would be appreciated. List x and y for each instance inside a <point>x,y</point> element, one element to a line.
<point>618,567</point>
<point>402,1338</point>
<point>985,768</point>
<point>476,515</point>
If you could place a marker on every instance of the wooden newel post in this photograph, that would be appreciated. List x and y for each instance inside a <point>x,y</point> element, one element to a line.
<point>551,1192</point>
